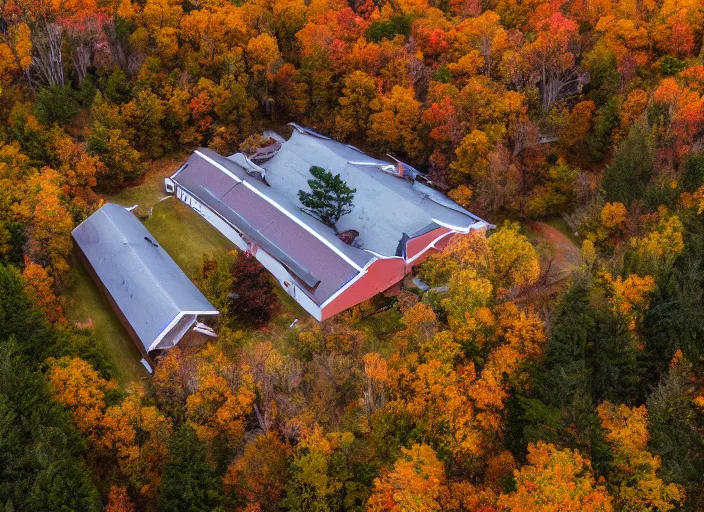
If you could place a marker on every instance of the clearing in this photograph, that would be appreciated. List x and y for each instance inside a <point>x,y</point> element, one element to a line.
<point>561,255</point>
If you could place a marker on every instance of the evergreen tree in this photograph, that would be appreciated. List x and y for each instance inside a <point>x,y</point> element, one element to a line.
<point>41,452</point>
<point>628,176</point>
<point>329,199</point>
<point>693,172</point>
<point>189,484</point>
<point>589,358</point>
<point>564,397</point>
<point>675,427</point>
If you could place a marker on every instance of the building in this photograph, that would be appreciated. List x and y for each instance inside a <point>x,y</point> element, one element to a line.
<point>155,301</point>
<point>397,220</point>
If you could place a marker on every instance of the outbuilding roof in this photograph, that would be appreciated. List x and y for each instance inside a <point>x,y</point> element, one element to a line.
<point>150,290</point>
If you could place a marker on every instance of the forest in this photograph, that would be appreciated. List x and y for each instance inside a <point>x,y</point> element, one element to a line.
<point>507,387</point>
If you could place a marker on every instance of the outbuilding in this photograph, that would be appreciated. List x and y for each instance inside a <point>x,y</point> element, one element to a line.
<point>155,301</point>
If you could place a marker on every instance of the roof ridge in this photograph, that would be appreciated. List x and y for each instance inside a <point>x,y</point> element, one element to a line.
<point>139,257</point>
<point>282,208</point>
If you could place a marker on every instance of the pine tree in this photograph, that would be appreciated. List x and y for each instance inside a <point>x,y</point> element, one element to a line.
<point>628,176</point>
<point>188,481</point>
<point>329,199</point>
<point>41,466</point>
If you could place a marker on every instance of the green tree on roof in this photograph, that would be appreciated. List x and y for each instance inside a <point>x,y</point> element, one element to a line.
<point>329,199</point>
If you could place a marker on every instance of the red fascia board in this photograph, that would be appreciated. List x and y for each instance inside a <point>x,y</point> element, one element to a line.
<point>416,245</point>
<point>379,276</point>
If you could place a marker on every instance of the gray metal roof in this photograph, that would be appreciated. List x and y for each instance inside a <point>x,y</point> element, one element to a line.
<point>150,290</point>
<point>385,205</point>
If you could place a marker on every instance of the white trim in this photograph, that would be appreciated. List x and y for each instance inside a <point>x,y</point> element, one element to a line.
<point>369,164</point>
<point>463,230</point>
<point>303,225</point>
<point>219,166</point>
<point>428,247</point>
<point>173,323</point>
<point>347,285</point>
<point>381,256</point>
<point>285,212</point>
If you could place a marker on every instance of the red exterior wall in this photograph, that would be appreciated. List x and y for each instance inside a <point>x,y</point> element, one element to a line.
<point>445,241</point>
<point>385,273</point>
<point>380,275</point>
<point>417,244</point>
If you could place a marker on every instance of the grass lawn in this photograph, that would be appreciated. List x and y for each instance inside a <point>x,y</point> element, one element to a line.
<point>185,235</point>
<point>87,306</point>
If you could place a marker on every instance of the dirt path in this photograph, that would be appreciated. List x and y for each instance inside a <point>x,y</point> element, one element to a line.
<point>562,255</point>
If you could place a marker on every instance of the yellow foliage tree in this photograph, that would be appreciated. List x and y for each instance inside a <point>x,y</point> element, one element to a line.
<point>664,243</point>
<point>630,297</point>
<point>417,482</point>
<point>638,485</point>
<point>393,127</point>
<point>613,215</point>
<point>218,406</point>
<point>555,480</point>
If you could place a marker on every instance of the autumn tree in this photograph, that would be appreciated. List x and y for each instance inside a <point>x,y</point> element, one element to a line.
<point>555,479</point>
<point>636,474</point>
<point>629,298</point>
<point>119,500</point>
<point>39,289</point>
<point>417,481</point>
<point>552,57</point>
<point>259,475</point>
<point>393,126</point>
<point>252,299</point>
<point>506,259</point>
<point>358,95</point>
<point>314,481</point>
<point>222,397</point>
<point>376,372</point>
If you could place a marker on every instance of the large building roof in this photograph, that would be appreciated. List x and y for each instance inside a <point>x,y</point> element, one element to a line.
<point>147,286</point>
<point>306,246</point>
<point>387,208</point>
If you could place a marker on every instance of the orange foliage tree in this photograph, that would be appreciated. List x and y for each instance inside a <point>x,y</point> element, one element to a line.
<point>555,479</point>
<point>638,486</point>
<point>416,482</point>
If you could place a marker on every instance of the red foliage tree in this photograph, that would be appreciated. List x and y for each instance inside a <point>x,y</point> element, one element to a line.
<point>253,299</point>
